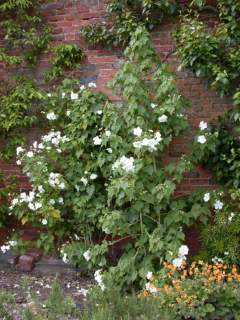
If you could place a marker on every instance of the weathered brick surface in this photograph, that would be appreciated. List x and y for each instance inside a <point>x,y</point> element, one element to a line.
<point>25,263</point>
<point>66,18</point>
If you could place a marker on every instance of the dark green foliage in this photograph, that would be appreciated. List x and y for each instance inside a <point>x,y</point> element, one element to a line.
<point>222,237</point>
<point>18,111</point>
<point>66,56</point>
<point>224,160</point>
<point>215,54</point>
<point>124,18</point>
<point>25,34</point>
<point>6,299</point>
<point>7,186</point>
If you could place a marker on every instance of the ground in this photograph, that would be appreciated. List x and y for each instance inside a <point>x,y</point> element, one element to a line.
<point>27,285</point>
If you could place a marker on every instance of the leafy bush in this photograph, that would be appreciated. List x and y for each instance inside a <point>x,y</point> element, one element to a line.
<point>224,159</point>
<point>200,291</point>
<point>98,177</point>
<point>221,238</point>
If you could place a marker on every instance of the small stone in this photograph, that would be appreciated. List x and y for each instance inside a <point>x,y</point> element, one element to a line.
<point>13,260</point>
<point>25,263</point>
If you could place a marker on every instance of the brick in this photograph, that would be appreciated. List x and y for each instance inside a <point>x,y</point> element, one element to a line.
<point>36,254</point>
<point>25,263</point>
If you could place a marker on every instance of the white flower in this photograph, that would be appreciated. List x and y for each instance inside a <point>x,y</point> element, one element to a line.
<point>218,205</point>
<point>18,162</point>
<point>153,105</point>
<point>226,253</point>
<point>216,259</point>
<point>137,144</point>
<point>54,180</point>
<point>65,258</point>
<point>203,125</point>
<point>231,216</point>
<point>183,251</point>
<point>12,243</point>
<point>92,85</point>
<point>62,185</point>
<point>87,255</point>
<point>38,205</point>
<point>149,275</point>
<point>158,136</point>
<point>30,154</point>
<point>97,141</point>
<point>74,96</point>
<point>163,118</point>
<point>84,181</point>
<point>127,164</point>
<point>31,195</point>
<point>60,200</point>
<point>106,230</point>
<point>19,150</point>
<point>84,292</point>
<point>206,197</point>
<point>35,144</point>
<point>24,197</point>
<point>14,202</point>
<point>44,222</point>
<point>201,139</point>
<point>151,143</point>
<point>99,112</point>
<point>41,189</point>
<point>93,176</point>
<point>31,206</point>
<point>51,116</point>
<point>99,280</point>
<point>151,288</point>
<point>109,150</point>
<point>107,133</point>
<point>68,113</point>
<point>52,201</point>
<point>5,248</point>
<point>137,131</point>
<point>82,87</point>
<point>77,187</point>
<point>49,94</point>
<point>178,262</point>
<point>63,94</point>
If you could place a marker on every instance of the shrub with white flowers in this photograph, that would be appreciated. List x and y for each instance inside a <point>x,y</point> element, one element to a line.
<point>99,182</point>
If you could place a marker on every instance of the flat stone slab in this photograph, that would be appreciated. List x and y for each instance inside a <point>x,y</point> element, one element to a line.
<point>44,265</point>
<point>53,265</point>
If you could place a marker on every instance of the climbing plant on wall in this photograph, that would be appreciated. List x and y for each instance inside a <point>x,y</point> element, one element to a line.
<point>125,16</point>
<point>215,54</point>
<point>25,33</point>
<point>25,37</point>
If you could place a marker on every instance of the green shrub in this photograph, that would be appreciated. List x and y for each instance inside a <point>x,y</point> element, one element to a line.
<point>100,172</point>
<point>200,291</point>
<point>221,238</point>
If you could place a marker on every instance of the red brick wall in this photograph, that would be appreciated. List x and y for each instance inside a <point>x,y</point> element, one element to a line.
<point>66,18</point>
